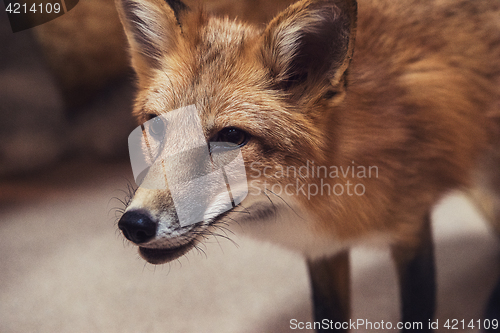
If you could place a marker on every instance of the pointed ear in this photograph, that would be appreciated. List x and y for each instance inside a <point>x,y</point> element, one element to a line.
<point>310,42</point>
<point>152,27</point>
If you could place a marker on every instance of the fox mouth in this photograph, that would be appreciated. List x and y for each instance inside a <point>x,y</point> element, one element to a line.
<point>158,256</point>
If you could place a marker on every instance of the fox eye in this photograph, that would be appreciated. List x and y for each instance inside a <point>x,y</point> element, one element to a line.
<point>156,128</point>
<point>230,138</point>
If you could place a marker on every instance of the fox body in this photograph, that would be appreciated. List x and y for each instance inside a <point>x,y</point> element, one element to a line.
<point>353,120</point>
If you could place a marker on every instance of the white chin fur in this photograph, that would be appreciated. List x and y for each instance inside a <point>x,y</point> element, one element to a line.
<point>290,227</point>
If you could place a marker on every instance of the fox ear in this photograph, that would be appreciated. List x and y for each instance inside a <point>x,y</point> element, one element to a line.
<point>152,28</point>
<point>312,40</point>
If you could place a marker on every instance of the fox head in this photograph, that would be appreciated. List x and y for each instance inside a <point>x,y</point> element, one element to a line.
<point>266,91</point>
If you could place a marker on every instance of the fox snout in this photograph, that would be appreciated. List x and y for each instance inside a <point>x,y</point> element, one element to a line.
<point>137,227</point>
<point>151,222</point>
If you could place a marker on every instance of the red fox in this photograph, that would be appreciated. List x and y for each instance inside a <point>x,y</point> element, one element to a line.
<point>353,119</point>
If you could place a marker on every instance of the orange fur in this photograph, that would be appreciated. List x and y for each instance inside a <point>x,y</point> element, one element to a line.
<point>421,101</point>
<point>410,89</point>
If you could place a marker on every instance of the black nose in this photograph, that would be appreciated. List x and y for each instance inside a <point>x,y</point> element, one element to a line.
<point>137,227</point>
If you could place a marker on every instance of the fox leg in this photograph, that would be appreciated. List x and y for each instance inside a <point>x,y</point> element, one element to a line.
<point>493,309</point>
<point>493,306</point>
<point>330,288</point>
<point>416,272</point>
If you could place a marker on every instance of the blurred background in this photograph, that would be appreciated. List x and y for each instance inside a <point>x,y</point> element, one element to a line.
<point>66,92</point>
